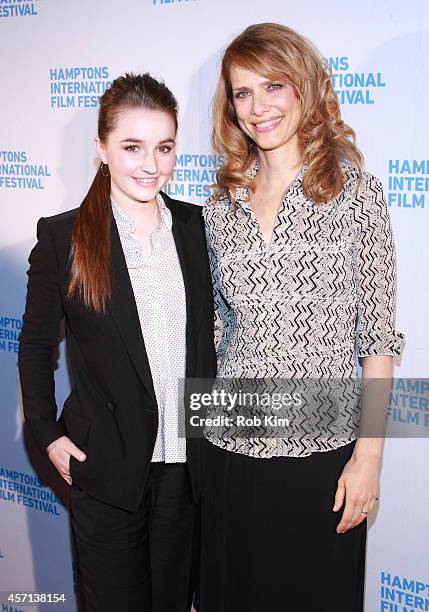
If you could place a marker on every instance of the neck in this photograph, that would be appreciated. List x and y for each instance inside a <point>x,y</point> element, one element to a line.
<point>278,164</point>
<point>138,211</point>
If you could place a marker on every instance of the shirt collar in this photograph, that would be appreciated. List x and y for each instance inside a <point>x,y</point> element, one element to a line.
<point>127,225</point>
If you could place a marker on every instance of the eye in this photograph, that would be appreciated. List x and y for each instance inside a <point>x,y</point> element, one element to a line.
<point>165,148</point>
<point>132,148</point>
<point>274,86</point>
<point>242,93</point>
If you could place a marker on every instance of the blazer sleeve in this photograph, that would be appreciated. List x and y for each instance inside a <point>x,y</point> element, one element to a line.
<point>39,339</point>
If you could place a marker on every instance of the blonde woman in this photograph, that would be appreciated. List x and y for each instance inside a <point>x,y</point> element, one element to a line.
<point>303,268</point>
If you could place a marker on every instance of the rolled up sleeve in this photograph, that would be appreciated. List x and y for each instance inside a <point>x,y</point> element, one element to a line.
<point>376,274</point>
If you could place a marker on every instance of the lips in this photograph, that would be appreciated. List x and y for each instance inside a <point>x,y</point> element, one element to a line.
<point>146,182</point>
<point>267,125</point>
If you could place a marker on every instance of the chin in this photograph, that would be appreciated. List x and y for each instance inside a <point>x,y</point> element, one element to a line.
<point>266,145</point>
<point>150,195</point>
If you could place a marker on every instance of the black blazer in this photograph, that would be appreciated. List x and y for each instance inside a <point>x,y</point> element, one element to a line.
<point>111,412</point>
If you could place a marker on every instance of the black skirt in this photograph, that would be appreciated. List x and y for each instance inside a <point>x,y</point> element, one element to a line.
<point>268,535</point>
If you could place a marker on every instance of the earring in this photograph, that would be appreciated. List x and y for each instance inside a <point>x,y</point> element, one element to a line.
<point>104,169</point>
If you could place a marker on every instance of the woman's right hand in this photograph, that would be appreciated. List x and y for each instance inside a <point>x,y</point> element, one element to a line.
<point>59,453</point>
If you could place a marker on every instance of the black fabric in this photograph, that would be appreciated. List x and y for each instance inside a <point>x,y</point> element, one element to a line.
<point>141,561</point>
<point>111,413</point>
<point>268,535</point>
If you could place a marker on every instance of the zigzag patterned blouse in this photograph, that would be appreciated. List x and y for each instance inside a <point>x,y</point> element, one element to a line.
<point>300,308</point>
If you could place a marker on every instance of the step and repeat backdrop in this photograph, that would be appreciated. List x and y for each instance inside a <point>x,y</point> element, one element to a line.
<point>58,58</point>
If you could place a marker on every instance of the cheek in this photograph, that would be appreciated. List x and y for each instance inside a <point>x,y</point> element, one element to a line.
<point>296,114</point>
<point>292,104</point>
<point>121,163</point>
<point>241,110</point>
<point>242,113</point>
<point>245,128</point>
<point>166,164</point>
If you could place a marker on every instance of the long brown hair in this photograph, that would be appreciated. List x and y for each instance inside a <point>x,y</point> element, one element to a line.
<point>90,239</point>
<point>279,53</point>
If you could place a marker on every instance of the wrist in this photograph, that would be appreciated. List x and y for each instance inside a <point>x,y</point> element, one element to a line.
<point>51,446</point>
<point>369,448</point>
<point>367,456</point>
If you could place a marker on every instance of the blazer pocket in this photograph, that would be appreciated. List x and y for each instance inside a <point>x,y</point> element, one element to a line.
<point>78,427</point>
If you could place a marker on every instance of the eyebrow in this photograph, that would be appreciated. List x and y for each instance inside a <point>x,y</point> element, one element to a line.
<point>138,141</point>
<point>245,87</point>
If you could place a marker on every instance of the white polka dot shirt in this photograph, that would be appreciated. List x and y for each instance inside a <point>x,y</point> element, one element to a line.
<point>159,293</point>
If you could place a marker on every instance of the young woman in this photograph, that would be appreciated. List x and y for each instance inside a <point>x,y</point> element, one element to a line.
<point>303,269</point>
<point>128,271</point>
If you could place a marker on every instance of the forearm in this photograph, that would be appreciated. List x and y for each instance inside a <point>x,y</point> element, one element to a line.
<point>376,385</point>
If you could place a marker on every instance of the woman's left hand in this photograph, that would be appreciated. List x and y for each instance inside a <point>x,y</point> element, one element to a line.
<point>357,489</point>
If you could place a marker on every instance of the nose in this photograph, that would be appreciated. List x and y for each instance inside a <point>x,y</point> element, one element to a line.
<point>149,163</point>
<point>259,103</point>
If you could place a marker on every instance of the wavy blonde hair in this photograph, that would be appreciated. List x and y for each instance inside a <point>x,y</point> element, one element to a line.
<point>281,54</point>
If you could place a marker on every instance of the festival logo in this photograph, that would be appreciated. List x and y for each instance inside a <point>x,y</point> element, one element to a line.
<point>27,490</point>
<point>193,176</point>
<point>354,87</point>
<point>10,328</point>
<point>409,406</point>
<point>20,8</point>
<point>402,594</point>
<point>19,171</point>
<point>408,183</point>
<point>77,86</point>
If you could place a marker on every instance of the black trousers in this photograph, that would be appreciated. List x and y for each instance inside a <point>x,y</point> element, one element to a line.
<point>268,535</point>
<point>140,561</point>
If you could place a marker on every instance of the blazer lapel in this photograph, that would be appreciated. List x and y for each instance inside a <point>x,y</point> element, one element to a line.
<point>194,277</point>
<point>123,309</point>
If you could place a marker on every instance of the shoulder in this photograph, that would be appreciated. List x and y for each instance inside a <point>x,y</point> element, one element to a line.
<point>65,217</point>
<point>55,231</point>
<point>216,206</point>
<point>364,189</point>
<point>372,186</point>
<point>366,199</point>
<point>360,181</point>
<point>370,194</point>
<point>59,222</point>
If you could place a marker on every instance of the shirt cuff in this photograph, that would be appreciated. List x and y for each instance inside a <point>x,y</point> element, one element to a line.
<point>380,343</point>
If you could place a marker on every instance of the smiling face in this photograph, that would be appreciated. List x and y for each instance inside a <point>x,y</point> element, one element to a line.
<point>140,152</point>
<point>267,111</point>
